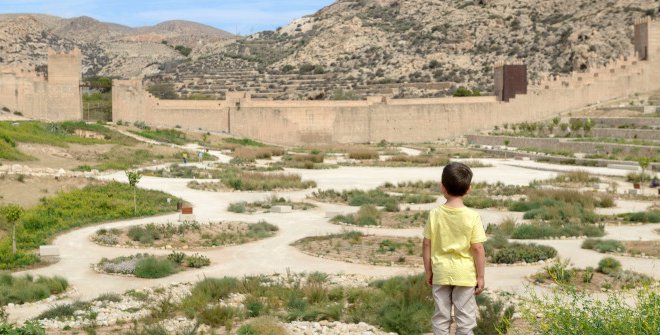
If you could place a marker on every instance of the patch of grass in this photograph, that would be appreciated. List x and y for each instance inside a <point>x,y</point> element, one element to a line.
<point>89,205</point>
<point>243,142</point>
<point>59,134</point>
<point>363,153</point>
<point>186,235</point>
<point>603,246</point>
<point>267,204</point>
<point>368,215</point>
<point>123,158</point>
<point>372,197</point>
<point>571,312</point>
<point>163,135</point>
<point>183,171</point>
<point>9,151</point>
<point>250,154</point>
<point>650,216</point>
<point>580,177</point>
<point>256,181</point>
<point>421,160</point>
<point>609,265</point>
<point>539,230</point>
<point>151,267</point>
<point>500,251</point>
<point>63,311</point>
<point>26,288</point>
<point>263,326</point>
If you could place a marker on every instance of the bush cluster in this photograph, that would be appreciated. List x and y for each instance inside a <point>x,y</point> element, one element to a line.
<point>500,251</point>
<point>603,246</point>
<point>573,312</point>
<point>368,215</point>
<point>539,230</point>
<point>371,197</point>
<point>26,288</point>
<point>148,266</point>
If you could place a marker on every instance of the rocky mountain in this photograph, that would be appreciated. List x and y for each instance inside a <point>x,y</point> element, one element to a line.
<point>366,43</point>
<point>108,49</point>
<point>349,49</point>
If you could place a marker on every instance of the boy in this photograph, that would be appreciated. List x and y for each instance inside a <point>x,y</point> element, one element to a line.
<point>454,254</point>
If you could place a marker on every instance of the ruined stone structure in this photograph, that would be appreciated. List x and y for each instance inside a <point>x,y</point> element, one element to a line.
<point>510,80</point>
<point>52,98</point>
<point>401,120</point>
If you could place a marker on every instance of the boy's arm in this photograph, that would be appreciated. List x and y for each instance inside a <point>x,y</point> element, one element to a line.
<point>426,255</point>
<point>479,255</point>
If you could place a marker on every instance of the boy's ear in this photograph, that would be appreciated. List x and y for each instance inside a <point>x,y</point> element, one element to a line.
<point>469,190</point>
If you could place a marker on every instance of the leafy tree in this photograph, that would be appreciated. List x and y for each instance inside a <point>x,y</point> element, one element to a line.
<point>183,50</point>
<point>133,180</point>
<point>163,91</point>
<point>466,92</point>
<point>12,214</point>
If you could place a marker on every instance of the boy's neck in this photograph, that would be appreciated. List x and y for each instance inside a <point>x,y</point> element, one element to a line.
<point>454,202</point>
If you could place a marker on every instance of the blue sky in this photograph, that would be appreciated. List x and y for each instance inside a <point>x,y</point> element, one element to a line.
<point>244,16</point>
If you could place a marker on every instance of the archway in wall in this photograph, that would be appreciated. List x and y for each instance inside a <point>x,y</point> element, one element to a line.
<point>96,95</point>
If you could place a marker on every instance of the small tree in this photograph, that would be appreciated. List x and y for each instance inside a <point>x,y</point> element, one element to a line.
<point>12,214</point>
<point>644,162</point>
<point>133,180</point>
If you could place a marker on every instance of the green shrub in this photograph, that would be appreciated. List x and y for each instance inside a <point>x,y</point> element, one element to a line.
<point>368,215</point>
<point>494,316</point>
<point>651,216</point>
<point>559,271</point>
<point>217,316</point>
<point>588,275</point>
<point>109,297</point>
<point>609,265</point>
<point>152,267</point>
<point>603,246</point>
<point>529,253</point>
<point>546,230</point>
<point>237,207</point>
<point>22,289</point>
<point>29,328</point>
<point>63,311</point>
<point>481,202</point>
<point>263,326</point>
<point>197,261</point>
<point>176,257</point>
<point>574,312</point>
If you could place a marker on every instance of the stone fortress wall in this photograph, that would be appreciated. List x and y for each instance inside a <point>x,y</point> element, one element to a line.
<point>57,98</point>
<point>401,120</point>
<point>52,98</point>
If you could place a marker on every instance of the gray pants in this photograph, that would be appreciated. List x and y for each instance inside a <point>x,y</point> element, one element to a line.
<point>465,309</point>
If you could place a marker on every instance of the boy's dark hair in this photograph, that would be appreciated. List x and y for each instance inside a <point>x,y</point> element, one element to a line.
<point>456,177</point>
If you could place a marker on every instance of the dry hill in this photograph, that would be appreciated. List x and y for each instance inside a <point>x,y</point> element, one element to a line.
<point>367,45</point>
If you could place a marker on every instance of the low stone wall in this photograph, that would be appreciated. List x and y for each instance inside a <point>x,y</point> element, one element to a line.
<point>641,134</point>
<point>622,121</point>
<point>563,144</point>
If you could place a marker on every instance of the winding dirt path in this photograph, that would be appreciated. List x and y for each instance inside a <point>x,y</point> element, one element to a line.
<point>275,255</point>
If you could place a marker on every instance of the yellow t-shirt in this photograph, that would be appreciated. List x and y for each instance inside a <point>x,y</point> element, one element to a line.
<point>452,231</point>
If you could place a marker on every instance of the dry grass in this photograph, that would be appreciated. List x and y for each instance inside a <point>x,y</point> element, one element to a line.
<point>648,248</point>
<point>362,153</point>
<point>250,154</point>
<point>354,247</point>
<point>425,160</point>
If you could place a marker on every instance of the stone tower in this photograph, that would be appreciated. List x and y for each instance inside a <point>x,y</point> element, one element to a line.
<point>647,39</point>
<point>510,79</point>
<point>64,77</point>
